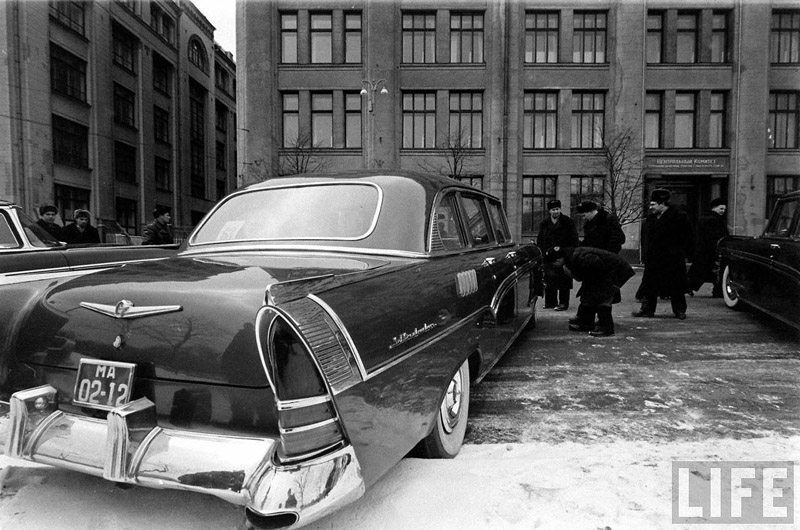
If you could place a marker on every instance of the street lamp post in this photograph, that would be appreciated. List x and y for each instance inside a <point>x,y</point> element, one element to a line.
<point>369,88</point>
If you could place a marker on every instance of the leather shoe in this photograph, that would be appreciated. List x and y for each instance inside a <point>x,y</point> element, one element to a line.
<point>580,327</point>
<point>643,314</point>
<point>601,332</point>
<point>561,307</point>
<point>680,316</point>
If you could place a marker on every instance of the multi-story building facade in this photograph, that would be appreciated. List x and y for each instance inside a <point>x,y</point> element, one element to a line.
<point>523,98</point>
<point>115,106</point>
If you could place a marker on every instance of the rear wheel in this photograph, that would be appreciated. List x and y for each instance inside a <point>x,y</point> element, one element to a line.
<point>729,292</point>
<point>447,437</point>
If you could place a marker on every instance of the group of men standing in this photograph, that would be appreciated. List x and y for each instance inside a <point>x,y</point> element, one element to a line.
<point>81,231</point>
<point>669,241</point>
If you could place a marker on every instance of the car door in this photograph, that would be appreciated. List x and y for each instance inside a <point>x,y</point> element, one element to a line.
<point>782,287</point>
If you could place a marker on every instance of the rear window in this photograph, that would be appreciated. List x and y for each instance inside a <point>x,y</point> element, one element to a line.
<point>336,211</point>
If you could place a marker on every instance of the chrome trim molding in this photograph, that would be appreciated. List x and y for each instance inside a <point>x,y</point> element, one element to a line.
<point>127,309</point>
<point>339,324</point>
<point>129,447</point>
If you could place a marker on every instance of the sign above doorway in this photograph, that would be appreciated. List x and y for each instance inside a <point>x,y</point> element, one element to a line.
<point>691,164</point>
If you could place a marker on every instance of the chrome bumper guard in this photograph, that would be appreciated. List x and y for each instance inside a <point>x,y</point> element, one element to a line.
<point>129,447</point>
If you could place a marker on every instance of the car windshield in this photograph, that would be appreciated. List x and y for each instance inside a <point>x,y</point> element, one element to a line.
<point>38,236</point>
<point>326,211</point>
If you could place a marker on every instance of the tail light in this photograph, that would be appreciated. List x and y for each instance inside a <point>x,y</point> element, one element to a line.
<point>304,356</point>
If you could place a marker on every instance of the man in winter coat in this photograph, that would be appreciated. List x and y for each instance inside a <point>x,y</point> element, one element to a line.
<point>602,274</point>
<point>557,230</point>
<point>81,230</point>
<point>710,229</point>
<point>669,239</point>
<point>601,229</point>
<point>158,232</point>
<point>47,220</point>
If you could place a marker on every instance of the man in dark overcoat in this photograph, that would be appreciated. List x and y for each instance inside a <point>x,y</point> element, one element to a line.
<point>558,230</point>
<point>81,230</point>
<point>158,232</point>
<point>601,274</point>
<point>710,229</point>
<point>47,220</point>
<point>669,240</point>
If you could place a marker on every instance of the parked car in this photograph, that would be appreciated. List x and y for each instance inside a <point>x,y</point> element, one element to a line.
<point>310,333</point>
<point>764,271</point>
<point>29,253</point>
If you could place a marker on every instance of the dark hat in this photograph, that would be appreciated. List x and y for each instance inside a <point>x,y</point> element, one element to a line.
<point>587,206</point>
<point>158,211</point>
<point>48,208</point>
<point>81,213</point>
<point>717,202</point>
<point>553,204</point>
<point>660,196</point>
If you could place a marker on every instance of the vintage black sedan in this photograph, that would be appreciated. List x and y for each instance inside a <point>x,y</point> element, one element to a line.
<point>764,271</point>
<point>29,253</point>
<point>311,332</point>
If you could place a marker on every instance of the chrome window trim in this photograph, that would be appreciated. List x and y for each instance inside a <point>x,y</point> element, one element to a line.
<point>306,249</point>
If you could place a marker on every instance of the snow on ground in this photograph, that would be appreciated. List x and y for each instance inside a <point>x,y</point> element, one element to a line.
<point>570,486</point>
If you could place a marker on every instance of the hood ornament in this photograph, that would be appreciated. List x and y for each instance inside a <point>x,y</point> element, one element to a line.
<point>126,309</point>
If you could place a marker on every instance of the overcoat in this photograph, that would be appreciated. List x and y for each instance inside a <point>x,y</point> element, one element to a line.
<point>669,240</point>
<point>73,235</point>
<point>710,230</point>
<point>563,234</point>
<point>603,231</point>
<point>157,233</point>
<point>601,273</point>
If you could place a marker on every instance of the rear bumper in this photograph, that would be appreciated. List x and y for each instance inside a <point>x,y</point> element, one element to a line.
<point>129,447</point>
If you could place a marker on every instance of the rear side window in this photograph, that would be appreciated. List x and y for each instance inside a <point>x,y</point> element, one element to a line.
<point>477,220</point>
<point>501,232</point>
<point>7,239</point>
<point>446,231</point>
<point>783,219</point>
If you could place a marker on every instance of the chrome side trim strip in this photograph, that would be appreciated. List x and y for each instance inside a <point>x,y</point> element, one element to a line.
<point>339,324</point>
<point>309,427</point>
<point>302,403</point>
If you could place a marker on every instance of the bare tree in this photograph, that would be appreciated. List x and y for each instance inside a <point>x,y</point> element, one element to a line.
<point>457,157</point>
<point>299,155</point>
<point>624,169</point>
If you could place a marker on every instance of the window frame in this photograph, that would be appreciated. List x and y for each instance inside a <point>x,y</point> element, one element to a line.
<point>654,51</point>
<point>466,43</point>
<point>780,33</point>
<point>547,34</point>
<point>71,15</point>
<point>124,106</point>
<point>534,200</point>
<point>656,114</point>
<point>595,116</point>
<point>547,117</point>
<point>161,125</point>
<point>418,37</point>
<point>125,163</point>
<point>197,53</point>
<point>412,115</point>
<point>686,113</point>
<point>70,142</point>
<point>471,115</point>
<point>718,120</point>
<point>67,73</point>
<point>596,32</point>
<point>353,120</point>
<point>784,119</point>
<point>322,120</point>
<point>353,37</point>
<point>124,48</point>
<point>321,38</point>
<point>682,33</point>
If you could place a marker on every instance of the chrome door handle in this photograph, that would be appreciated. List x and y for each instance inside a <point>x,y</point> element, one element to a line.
<point>511,255</point>
<point>774,246</point>
<point>488,262</point>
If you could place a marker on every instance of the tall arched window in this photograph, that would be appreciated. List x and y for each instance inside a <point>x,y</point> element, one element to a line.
<point>197,54</point>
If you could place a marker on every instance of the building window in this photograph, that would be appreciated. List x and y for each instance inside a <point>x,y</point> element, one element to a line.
<point>67,73</point>
<point>322,119</point>
<point>589,37</point>
<point>352,120</point>
<point>785,37</point>
<point>476,181</point>
<point>163,25</point>
<point>221,78</point>
<point>221,117</point>
<point>588,118</point>
<point>687,37</point>
<point>419,120</point>
<point>783,120</point>
<point>536,192</point>
<point>70,14</point>
<point>584,188</point>
<point>198,55</point>
<point>685,119</point>
<point>541,37</point>
<point>466,120</point>
<point>291,120</point>
<point>655,36</point>
<point>197,169</point>
<point>130,5</point>
<point>352,37</point>
<point>719,37</point>
<point>419,38</point>
<point>160,124</point>
<point>197,122</point>
<point>124,49</point>
<point>162,75</point>
<point>321,37</point>
<point>126,214</point>
<point>653,113</point>
<point>540,120</point>
<point>124,162</point>
<point>69,199</point>
<point>466,38</point>
<point>777,187</point>
<point>289,37</point>
<point>197,112</point>
<point>124,106</point>
<point>70,143</point>
<point>162,173</point>
<point>717,129</point>
<point>221,158</point>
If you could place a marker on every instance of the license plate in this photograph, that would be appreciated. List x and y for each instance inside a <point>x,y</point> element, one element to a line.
<point>103,384</point>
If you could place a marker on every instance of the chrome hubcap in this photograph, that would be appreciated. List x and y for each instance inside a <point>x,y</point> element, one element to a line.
<point>451,404</point>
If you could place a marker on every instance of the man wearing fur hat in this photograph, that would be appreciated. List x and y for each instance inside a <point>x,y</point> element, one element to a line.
<point>601,229</point>
<point>668,239</point>
<point>81,230</point>
<point>158,232</point>
<point>47,220</point>
<point>557,230</point>
<point>710,229</point>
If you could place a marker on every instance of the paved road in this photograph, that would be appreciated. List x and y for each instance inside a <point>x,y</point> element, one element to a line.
<point>719,373</point>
